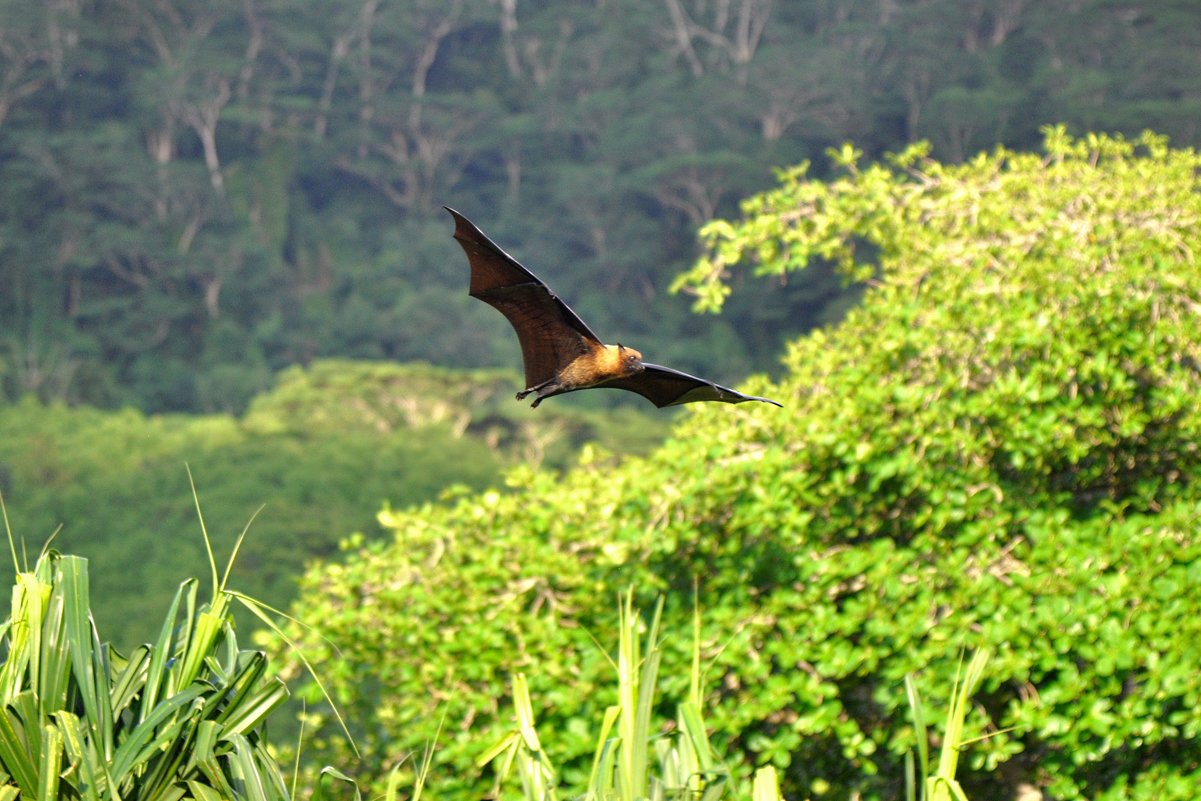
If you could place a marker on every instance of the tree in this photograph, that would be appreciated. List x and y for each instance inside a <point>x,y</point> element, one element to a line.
<point>997,448</point>
<point>37,45</point>
<point>259,183</point>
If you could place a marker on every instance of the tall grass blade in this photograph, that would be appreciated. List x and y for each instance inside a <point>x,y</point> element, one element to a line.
<point>158,681</point>
<point>601,759</point>
<point>208,626</point>
<point>48,664</point>
<point>506,743</point>
<point>253,709</point>
<point>524,708</point>
<point>146,739</point>
<point>30,595</point>
<point>605,785</point>
<point>91,679</point>
<point>766,785</point>
<point>696,689</point>
<point>35,620</point>
<point>130,682</point>
<point>423,771</point>
<point>918,712</point>
<point>693,726</point>
<point>636,689</point>
<point>204,532</point>
<point>80,755</point>
<point>51,763</point>
<point>202,792</point>
<point>12,542</point>
<point>15,754</point>
<point>648,679</point>
<point>258,610</point>
<point>944,783</point>
<point>233,554</point>
<point>941,785</point>
<point>246,770</point>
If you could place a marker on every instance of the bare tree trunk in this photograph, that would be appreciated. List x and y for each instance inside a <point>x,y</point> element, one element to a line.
<point>203,118</point>
<point>736,32</point>
<point>682,29</point>
<point>508,36</point>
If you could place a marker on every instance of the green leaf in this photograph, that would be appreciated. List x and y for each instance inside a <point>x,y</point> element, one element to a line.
<point>51,763</point>
<point>15,754</point>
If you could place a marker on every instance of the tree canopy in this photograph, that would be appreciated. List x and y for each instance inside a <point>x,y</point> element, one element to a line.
<point>193,197</point>
<point>997,448</point>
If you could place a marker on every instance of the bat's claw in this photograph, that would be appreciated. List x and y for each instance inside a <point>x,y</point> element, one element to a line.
<point>540,392</point>
<point>522,396</point>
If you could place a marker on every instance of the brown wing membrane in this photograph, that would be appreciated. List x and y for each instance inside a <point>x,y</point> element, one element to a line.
<point>550,333</point>
<point>664,386</point>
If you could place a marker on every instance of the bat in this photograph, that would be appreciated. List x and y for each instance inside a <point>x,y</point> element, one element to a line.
<point>560,352</point>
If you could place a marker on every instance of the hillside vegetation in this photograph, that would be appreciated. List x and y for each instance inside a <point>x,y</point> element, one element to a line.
<point>194,196</point>
<point>318,454</point>
<point>998,449</point>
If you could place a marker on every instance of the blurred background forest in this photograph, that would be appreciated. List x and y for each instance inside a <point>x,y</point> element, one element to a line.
<point>194,196</point>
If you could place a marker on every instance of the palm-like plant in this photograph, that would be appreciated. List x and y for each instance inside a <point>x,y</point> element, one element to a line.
<point>182,718</point>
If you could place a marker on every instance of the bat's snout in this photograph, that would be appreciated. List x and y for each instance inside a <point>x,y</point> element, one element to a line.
<point>631,360</point>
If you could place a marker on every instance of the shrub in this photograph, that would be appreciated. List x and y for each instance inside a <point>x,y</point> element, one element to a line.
<point>997,449</point>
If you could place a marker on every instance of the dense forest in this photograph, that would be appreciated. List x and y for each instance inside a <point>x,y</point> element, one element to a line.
<point>196,195</point>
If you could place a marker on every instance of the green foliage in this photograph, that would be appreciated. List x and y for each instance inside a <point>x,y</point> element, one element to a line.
<point>192,200</point>
<point>631,760</point>
<point>182,718</point>
<point>319,454</point>
<point>997,450</point>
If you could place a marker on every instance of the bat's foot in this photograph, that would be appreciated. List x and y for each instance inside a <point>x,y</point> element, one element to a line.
<point>525,392</point>
<point>540,392</point>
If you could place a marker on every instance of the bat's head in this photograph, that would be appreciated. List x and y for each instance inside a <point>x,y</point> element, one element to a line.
<point>631,360</point>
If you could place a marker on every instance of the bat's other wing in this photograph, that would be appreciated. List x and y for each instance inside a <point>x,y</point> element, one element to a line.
<point>550,333</point>
<point>664,386</point>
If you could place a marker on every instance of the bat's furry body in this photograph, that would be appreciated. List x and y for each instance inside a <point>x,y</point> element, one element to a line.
<point>560,352</point>
<point>592,368</point>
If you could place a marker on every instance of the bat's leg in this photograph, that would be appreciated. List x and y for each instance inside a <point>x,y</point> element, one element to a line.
<point>543,390</point>
<point>538,399</point>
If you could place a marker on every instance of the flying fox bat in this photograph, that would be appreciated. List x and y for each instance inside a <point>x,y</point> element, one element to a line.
<point>560,352</point>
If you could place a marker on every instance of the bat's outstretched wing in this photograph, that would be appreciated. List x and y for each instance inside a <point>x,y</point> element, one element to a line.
<point>552,337</point>
<point>664,386</point>
<point>550,333</point>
